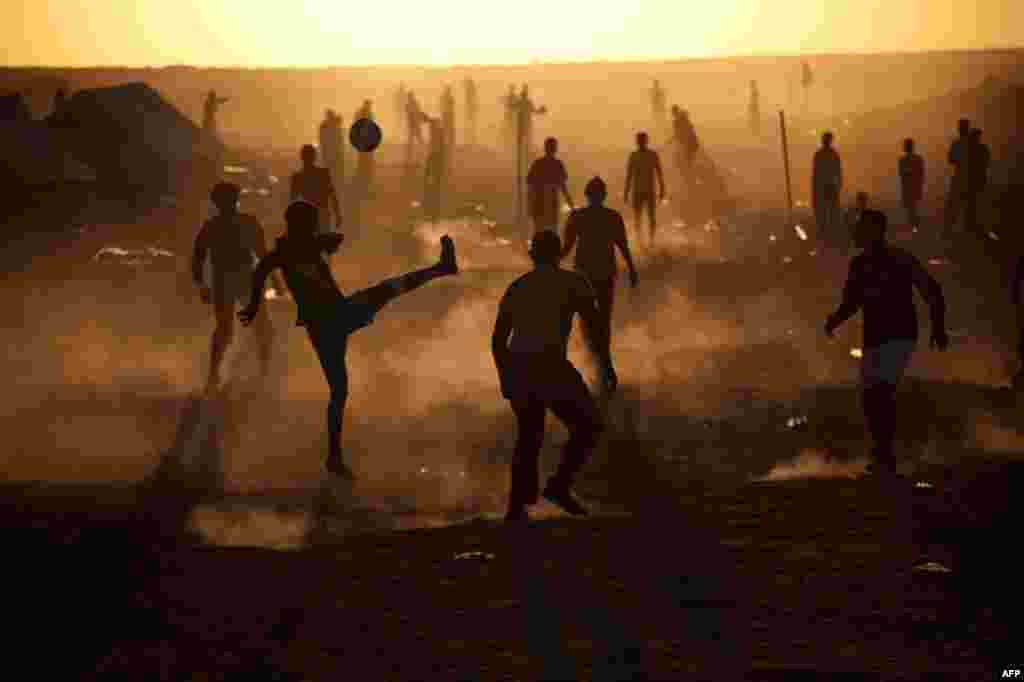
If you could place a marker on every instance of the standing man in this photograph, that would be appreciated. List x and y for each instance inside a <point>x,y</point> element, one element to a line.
<point>957,193</point>
<point>754,110</point>
<point>332,147</point>
<point>313,184</point>
<point>401,102</point>
<point>826,185</point>
<point>510,105</point>
<point>978,159</point>
<point>526,112</point>
<point>882,280</point>
<point>644,165</point>
<point>434,171</point>
<point>686,145</point>
<point>472,110</point>
<point>547,180</point>
<point>448,125</point>
<point>911,170</point>
<point>210,108</point>
<point>535,373</point>
<point>596,231</point>
<point>233,240</point>
<point>658,111</point>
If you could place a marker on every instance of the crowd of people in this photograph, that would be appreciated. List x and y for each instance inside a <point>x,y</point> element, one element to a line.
<point>535,315</point>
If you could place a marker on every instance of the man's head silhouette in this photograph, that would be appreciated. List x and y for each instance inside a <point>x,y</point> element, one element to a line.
<point>308,155</point>
<point>224,196</point>
<point>302,219</point>
<point>596,191</point>
<point>545,248</point>
<point>826,139</point>
<point>908,145</point>
<point>964,126</point>
<point>551,146</point>
<point>870,229</point>
<point>641,140</point>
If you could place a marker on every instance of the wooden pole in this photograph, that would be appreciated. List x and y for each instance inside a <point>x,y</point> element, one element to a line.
<point>519,165</point>
<point>785,160</point>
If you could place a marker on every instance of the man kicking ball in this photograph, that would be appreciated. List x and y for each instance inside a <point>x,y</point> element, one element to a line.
<point>328,315</point>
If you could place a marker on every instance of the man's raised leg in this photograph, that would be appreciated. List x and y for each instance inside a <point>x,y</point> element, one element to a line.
<point>380,295</point>
<point>578,411</point>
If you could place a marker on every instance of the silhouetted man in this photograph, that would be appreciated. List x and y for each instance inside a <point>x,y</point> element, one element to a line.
<point>401,103</point>
<point>510,105</point>
<point>686,145</point>
<point>644,165</point>
<point>881,281</point>
<point>472,110</point>
<point>415,118</point>
<point>537,313</point>
<point>957,193</point>
<point>545,181</point>
<point>328,315</point>
<point>233,241</point>
<point>435,170</point>
<point>210,109</point>
<point>527,110</point>
<point>596,231</point>
<point>826,185</point>
<point>313,184</point>
<point>658,107</point>
<point>978,159</point>
<point>332,146</point>
<point>754,110</point>
<point>911,169</point>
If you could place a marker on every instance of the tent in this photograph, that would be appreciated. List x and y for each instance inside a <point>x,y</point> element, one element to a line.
<point>131,135</point>
<point>30,154</point>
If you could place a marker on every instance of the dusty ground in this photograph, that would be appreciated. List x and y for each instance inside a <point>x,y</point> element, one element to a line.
<point>713,516</point>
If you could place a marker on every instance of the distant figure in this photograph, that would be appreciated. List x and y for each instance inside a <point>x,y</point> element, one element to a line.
<point>644,165</point>
<point>233,241</point>
<point>754,110</point>
<point>978,160</point>
<point>526,111</point>
<point>313,184</point>
<point>401,103</point>
<point>852,219</point>
<point>658,107</point>
<point>414,120</point>
<point>537,313</point>
<point>365,165</point>
<point>686,147</point>
<point>510,105</point>
<point>1017,299</point>
<point>911,170</point>
<point>956,195</point>
<point>545,181</point>
<point>328,315</point>
<point>881,281</point>
<point>332,146</point>
<point>448,125</point>
<point>806,80</point>
<point>435,170</point>
<point>472,110</point>
<point>599,230</point>
<point>826,185</point>
<point>210,108</point>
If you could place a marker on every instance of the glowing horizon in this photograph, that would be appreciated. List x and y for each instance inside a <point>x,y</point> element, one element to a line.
<point>323,33</point>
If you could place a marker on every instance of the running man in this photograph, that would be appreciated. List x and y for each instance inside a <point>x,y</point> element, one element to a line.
<point>547,179</point>
<point>599,230</point>
<point>332,146</point>
<point>232,239</point>
<point>313,184</point>
<point>644,165</point>
<point>658,103</point>
<point>328,315</point>
<point>911,170</point>
<point>882,280</point>
<point>535,373</point>
<point>684,136</point>
<point>957,157</point>
<point>826,186</point>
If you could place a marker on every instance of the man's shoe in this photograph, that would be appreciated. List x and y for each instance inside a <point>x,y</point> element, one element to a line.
<point>448,263</point>
<point>336,465</point>
<point>564,499</point>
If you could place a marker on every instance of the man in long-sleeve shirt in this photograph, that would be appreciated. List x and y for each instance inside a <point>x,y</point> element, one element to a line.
<point>882,280</point>
<point>826,185</point>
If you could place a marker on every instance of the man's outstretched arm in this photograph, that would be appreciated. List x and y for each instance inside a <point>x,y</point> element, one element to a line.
<point>852,300</point>
<point>932,293</point>
<point>622,241</point>
<point>660,174</point>
<point>199,258</point>
<point>259,280</point>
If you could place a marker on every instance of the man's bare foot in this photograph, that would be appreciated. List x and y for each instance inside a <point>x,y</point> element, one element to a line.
<point>448,263</point>
<point>336,465</point>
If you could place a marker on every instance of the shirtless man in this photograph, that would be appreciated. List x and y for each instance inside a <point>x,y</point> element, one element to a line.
<point>644,165</point>
<point>545,181</point>
<point>233,240</point>
<point>313,184</point>
<point>537,313</point>
<point>328,315</point>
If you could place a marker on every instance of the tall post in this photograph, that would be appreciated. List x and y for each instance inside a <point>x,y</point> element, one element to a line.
<point>519,165</point>
<point>785,160</point>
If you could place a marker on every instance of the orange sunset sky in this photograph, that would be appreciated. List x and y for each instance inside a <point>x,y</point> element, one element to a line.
<point>342,32</point>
